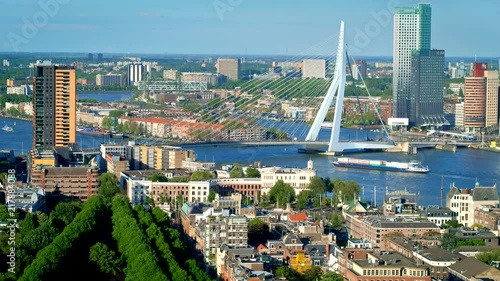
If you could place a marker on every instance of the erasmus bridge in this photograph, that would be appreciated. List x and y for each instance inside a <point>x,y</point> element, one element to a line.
<point>322,95</point>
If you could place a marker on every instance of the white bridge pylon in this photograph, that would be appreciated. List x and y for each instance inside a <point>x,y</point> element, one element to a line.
<point>338,87</point>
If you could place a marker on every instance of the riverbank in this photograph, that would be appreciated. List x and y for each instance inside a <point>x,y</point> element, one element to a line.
<point>16,117</point>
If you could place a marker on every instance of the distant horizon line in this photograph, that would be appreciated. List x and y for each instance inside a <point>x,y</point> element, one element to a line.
<point>220,55</point>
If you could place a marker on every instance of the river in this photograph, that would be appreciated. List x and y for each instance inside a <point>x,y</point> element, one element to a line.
<point>463,167</point>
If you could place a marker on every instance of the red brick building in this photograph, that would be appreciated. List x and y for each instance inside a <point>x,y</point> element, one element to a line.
<point>76,182</point>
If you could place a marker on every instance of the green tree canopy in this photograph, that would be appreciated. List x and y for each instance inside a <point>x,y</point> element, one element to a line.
<point>258,232</point>
<point>449,241</point>
<point>317,186</point>
<point>108,185</point>
<point>236,171</point>
<point>201,175</point>
<point>252,173</point>
<point>211,196</point>
<point>336,221</point>
<point>332,276</point>
<point>281,194</point>
<point>313,274</point>
<point>488,257</point>
<point>158,178</point>
<point>345,191</point>
<point>104,258</point>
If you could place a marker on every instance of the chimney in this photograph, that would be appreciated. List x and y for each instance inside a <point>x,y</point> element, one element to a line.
<point>327,250</point>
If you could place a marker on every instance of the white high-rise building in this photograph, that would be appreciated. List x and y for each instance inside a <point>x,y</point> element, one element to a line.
<point>491,97</point>
<point>135,73</point>
<point>314,68</point>
<point>412,31</point>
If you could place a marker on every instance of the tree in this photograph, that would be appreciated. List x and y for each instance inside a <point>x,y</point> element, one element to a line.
<point>336,221</point>
<point>236,171</point>
<point>313,274</point>
<point>303,199</point>
<point>317,186</point>
<point>4,214</point>
<point>106,122</point>
<point>66,212</point>
<point>345,190</point>
<point>29,223</point>
<point>211,196</point>
<point>488,257</point>
<point>258,232</point>
<point>201,175</point>
<point>105,259</point>
<point>108,185</point>
<point>158,178</point>
<point>332,276</point>
<point>449,241</point>
<point>281,194</point>
<point>116,113</point>
<point>252,173</point>
<point>288,273</point>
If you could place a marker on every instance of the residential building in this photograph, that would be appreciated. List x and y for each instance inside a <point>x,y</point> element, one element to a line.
<point>488,217</point>
<point>170,74</point>
<point>209,78</point>
<point>215,231</point>
<point>377,229</point>
<point>472,269</point>
<point>474,104</point>
<point>247,187</point>
<point>384,265</point>
<point>412,31</point>
<point>109,80</point>
<point>359,70</point>
<point>464,201</point>
<point>54,106</point>
<point>426,98</point>
<point>438,216</point>
<point>298,179</point>
<point>29,199</point>
<point>116,164</point>
<point>314,68</point>
<point>20,90</point>
<point>491,116</point>
<point>400,202</point>
<point>76,182</point>
<point>229,68</point>
<point>136,73</point>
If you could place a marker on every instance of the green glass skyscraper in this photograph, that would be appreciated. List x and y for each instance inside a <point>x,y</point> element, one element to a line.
<point>412,31</point>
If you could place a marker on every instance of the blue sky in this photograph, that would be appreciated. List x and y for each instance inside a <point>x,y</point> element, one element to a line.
<point>460,27</point>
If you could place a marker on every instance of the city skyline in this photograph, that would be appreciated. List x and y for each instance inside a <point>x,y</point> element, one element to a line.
<point>236,27</point>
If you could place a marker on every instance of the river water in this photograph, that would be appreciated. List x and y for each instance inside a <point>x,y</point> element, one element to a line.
<point>463,167</point>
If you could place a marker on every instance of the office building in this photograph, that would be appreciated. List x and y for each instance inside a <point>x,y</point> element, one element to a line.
<point>99,57</point>
<point>491,117</point>
<point>74,182</point>
<point>359,70</point>
<point>478,69</point>
<point>426,98</point>
<point>6,63</point>
<point>135,74</point>
<point>229,68</point>
<point>474,104</point>
<point>459,115</point>
<point>313,68</point>
<point>90,56</point>
<point>412,31</point>
<point>170,74</point>
<point>54,106</point>
<point>108,80</point>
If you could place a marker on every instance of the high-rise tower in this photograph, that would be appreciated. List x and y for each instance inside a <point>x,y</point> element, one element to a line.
<point>412,31</point>
<point>54,106</point>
